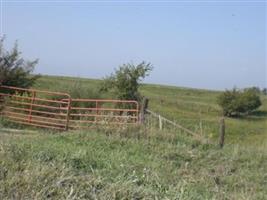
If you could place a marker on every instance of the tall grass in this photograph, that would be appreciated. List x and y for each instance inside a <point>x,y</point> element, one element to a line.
<point>127,163</point>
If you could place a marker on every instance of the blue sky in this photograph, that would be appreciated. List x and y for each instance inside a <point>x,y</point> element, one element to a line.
<point>192,44</point>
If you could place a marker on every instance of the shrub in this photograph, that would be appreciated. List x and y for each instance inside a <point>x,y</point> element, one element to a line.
<point>14,70</point>
<point>126,80</point>
<point>236,102</point>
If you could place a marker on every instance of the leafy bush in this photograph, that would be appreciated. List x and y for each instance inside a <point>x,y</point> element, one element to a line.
<point>14,70</point>
<point>236,102</point>
<point>126,80</point>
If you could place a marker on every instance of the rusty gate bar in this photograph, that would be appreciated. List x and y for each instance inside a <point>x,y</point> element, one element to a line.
<point>38,110</point>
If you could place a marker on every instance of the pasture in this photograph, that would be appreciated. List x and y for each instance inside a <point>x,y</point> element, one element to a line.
<point>138,162</point>
<point>195,109</point>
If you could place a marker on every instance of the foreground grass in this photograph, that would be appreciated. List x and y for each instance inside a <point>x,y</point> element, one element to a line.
<point>129,164</point>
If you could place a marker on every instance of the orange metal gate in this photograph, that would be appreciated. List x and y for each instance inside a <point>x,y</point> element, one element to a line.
<point>35,107</point>
<point>59,111</point>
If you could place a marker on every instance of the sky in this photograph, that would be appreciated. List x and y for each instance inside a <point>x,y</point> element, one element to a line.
<point>199,44</point>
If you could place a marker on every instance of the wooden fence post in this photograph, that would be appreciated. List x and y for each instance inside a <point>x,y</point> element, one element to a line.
<point>144,106</point>
<point>68,114</point>
<point>160,123</point>
<point>221,132</point>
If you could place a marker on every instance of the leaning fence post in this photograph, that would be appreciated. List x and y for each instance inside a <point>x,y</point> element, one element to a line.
<point>144,106</point>
<point>221,132</point>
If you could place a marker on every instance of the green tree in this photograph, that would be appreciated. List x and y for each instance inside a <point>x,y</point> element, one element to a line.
<point>235,102</point>
<point>14,70</point>
<point>124,83</point>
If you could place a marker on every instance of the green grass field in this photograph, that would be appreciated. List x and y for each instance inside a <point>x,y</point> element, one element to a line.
<point>188,107</point>
<point>139,162</point>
